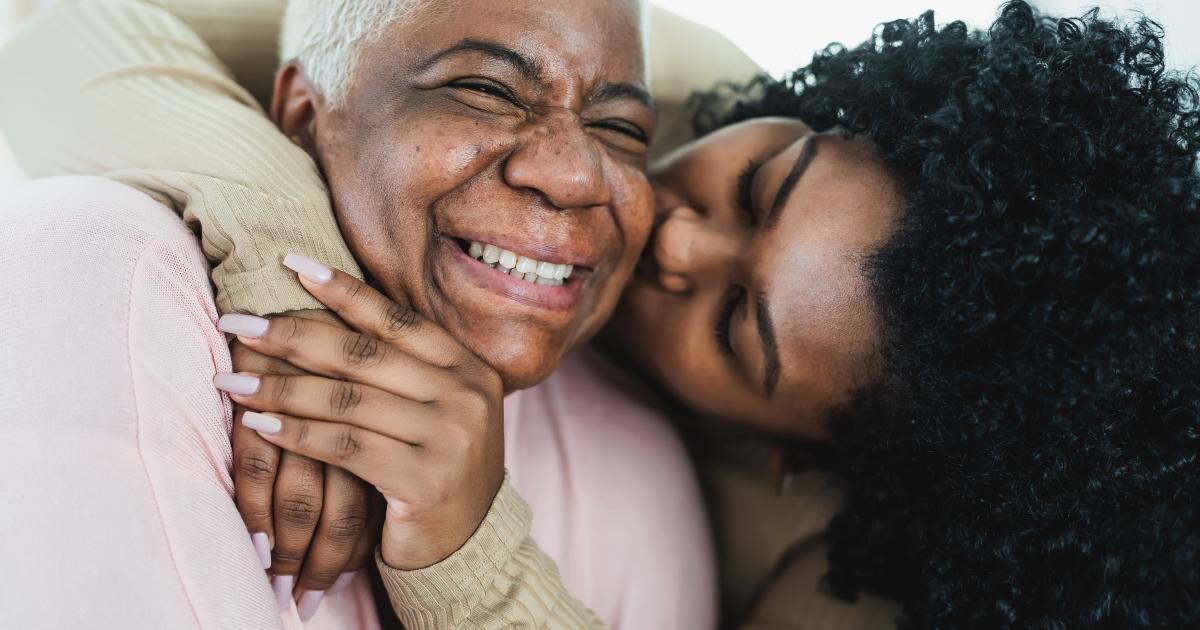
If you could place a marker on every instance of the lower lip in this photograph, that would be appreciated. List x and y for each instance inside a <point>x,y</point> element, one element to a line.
<point>552,298</point>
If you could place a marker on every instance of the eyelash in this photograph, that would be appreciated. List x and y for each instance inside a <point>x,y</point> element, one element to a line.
<point>487,89</point>
<point>636,134</point>
<point>745,192</point>
<point>725,317</point>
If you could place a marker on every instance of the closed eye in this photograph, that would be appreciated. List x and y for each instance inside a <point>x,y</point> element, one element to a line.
<point>623,127</point>
<point>487,88</point>
<point>725,317</point>
<point>745,191</point>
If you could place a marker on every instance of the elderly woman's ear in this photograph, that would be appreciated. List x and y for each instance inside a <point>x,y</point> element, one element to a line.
<point>294,106</point>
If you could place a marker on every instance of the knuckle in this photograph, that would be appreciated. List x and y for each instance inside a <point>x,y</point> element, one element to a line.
<point>399,319</point>
<point>282,557</point>
<point>256,465</point>
<point>291,329</point>
<point>345,528</point>
<point>347,444</point>
<point>280,387</point>
<point>361,350</point>
<point>344,398</point>
<point>298,510</point>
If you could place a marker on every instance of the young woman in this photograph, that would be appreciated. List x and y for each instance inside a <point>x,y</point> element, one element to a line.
<point>957,272</point>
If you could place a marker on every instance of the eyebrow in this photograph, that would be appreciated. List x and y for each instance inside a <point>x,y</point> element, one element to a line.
<point>807,153</point>
<point>529,69</point>
<point>770,349</point>
<point>622,91</point>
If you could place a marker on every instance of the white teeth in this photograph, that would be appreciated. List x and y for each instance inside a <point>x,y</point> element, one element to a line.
<point>527,265</point>
<point>539,272</point>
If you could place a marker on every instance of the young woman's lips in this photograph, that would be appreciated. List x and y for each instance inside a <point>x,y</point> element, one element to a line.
<point>563,297</point>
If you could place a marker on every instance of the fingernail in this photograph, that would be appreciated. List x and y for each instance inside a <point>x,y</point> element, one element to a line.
<point>242,384</point>
<point>308,604</point>
<point>262,547</point>
<point>244,325</point>
<point>262,423</point>
<point>343,582</point>
<point>309,268</point>
<point>283,584</point>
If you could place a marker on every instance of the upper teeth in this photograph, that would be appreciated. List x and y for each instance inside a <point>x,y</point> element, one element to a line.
<point>536,271</point>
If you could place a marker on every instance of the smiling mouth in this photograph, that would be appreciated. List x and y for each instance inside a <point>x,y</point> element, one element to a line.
<point>518,266</point>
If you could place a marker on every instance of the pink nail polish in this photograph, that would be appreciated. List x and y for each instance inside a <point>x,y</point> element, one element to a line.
<point>309,268</point>
<point>283,585</point>
<point>343,582</point>
<point>261,422</point>
<point>242,384</point>
<point>308,603</point>
<point>262,547</point>
<point>244,325</point>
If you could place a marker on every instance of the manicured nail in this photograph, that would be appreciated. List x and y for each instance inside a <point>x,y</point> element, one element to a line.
<point>343,582</point>
<point>262,423</point>
<point>309,268</point>
<point>308,603</point>
<point>244,325</point>
<point>282,585</point>
<point>262,547</point>
<point>242,384</point>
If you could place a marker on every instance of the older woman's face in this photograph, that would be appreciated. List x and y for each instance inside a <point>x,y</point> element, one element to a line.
<point>519,125</point>
<point>751,304</point>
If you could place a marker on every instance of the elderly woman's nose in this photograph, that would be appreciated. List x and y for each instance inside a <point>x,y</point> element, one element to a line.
<point>689,250</point>
<point>560,161</point>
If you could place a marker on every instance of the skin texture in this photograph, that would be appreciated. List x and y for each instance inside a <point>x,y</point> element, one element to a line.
<point>707,253</point>
<point>429,152</point>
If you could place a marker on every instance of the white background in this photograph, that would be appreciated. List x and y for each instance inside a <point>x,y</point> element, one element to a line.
<point>783,34</point>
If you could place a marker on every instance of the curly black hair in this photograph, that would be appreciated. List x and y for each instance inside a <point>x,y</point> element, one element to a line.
<point>1027,456</point>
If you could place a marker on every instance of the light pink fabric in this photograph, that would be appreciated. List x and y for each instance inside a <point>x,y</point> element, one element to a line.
<point>115,487</point>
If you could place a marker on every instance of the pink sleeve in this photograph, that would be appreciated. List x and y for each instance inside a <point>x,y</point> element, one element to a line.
<point>115,480</point>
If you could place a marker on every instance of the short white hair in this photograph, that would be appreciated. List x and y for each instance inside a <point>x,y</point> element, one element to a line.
<point>327,37</point>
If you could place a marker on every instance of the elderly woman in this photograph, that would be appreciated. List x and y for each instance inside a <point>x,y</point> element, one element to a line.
<point>988,337</point>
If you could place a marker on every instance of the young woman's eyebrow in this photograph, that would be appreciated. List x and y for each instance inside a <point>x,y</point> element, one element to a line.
<point>766,337</point>
<point>807,153</point>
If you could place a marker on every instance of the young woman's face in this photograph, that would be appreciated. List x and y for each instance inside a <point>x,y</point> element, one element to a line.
<point>750,303</point>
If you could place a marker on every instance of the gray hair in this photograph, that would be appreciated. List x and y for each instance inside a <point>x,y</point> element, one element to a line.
<point>327,37</point>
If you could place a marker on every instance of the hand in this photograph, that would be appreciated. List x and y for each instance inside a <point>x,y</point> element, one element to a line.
<point>307,519</point>
<point>399,403</point>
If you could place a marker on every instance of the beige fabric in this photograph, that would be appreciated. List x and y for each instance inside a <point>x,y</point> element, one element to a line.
<point>166,96</point>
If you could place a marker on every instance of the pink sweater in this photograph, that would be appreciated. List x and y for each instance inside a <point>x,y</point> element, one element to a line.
<point>115,476</point>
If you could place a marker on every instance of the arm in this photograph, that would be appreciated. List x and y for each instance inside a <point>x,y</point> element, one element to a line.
<point>498,579</point>
<point>126,90</point>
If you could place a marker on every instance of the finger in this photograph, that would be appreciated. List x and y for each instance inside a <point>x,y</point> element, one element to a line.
<point>299,493</point>
<point>344,516</point>
<point>336,352</point>
<point>364,551</point>
<point>247,359</point>
<point>395,322</point>
<point>255,463</point>
<point>381,461</point>
<point>326,399</point>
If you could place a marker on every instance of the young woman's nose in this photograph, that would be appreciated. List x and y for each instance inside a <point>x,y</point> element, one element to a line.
<point>689,251</point>
<point>558,160</point>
